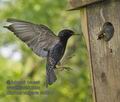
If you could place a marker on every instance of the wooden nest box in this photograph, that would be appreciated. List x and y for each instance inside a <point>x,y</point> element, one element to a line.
<point>100,21</point>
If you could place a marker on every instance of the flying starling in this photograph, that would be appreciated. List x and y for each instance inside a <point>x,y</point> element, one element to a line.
<point>43,42</point>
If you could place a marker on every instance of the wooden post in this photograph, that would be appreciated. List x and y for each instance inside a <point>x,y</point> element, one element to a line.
<point>104,55</point>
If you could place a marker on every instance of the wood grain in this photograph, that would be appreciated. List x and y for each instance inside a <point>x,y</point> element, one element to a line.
<point>84,26</point>
<point>76,4</point>
<point>105,56</point>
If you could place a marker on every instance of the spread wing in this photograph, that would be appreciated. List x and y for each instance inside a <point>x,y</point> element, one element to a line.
<point>38,37</point>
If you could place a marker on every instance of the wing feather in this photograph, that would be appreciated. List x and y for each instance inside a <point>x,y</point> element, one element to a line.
<point>38,37</point>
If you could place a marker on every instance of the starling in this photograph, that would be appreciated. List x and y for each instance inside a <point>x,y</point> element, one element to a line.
<point>106,32</point>
<point>43,42</point>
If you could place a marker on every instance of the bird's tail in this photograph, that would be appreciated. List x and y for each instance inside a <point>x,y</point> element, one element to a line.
<point>50,75</point>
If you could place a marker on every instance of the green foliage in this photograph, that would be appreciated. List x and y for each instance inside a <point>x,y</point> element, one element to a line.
<point>71,86</point>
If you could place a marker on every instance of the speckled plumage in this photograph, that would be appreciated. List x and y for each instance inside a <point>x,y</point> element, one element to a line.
<point>43,42</point>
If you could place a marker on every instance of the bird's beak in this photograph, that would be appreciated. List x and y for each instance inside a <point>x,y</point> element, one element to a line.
<point>76,34</point>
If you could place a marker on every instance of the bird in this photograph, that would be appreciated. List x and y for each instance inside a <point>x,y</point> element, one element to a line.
<point>43,42</point>
<point>106,32</point>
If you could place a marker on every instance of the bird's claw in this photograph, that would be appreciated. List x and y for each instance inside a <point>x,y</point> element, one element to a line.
<point>61,68</point>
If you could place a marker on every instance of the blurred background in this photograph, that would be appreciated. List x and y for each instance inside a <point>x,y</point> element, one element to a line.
<point>18,62</point>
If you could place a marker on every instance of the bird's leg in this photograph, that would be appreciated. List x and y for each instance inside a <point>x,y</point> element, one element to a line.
<point>58,66</point>
<point>59,63</point>
<point>61,68</point>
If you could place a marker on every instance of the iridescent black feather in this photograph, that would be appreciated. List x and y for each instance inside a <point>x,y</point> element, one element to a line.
<point>43,42</point>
